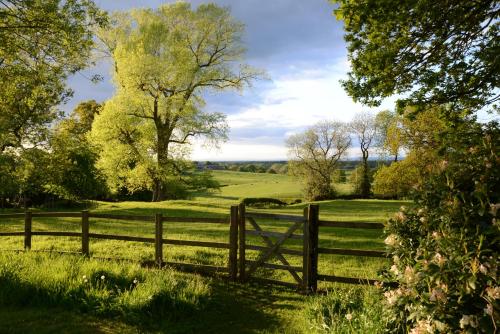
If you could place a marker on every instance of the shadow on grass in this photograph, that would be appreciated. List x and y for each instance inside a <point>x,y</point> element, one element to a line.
<point>229,308</point>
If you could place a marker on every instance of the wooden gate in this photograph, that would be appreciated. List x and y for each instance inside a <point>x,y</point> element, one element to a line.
<point>303,275</point>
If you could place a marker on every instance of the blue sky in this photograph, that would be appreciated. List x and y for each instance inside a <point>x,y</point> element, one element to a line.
<point>299,44</point>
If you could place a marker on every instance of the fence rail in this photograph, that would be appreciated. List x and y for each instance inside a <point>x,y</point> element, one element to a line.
<point>237,219</point>
<point>158,240</point>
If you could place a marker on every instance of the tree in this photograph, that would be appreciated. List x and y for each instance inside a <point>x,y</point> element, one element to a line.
<point>314,156</point>
<point>364,128</point>
<point>165,59</point>
<point>73,174</point>
<point>41,43</point>
<point>433,52</point>
<point>388,137</point>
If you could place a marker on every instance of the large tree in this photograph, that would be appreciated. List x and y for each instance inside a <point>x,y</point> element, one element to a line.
<point>41,43</point>
<point>432,52</point>
<point>165,60</point>
<point>314,156</point>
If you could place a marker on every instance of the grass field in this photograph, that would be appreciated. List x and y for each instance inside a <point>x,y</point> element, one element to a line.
<point>199,303</point>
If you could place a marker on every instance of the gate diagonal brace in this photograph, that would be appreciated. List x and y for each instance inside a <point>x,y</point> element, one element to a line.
<point>269,243</point>
<point>273,249</point>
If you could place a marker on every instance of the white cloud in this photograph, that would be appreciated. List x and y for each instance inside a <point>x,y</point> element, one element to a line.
<point>298,99</point>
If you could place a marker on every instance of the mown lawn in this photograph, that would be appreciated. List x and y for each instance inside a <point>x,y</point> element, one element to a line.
<point>219,306</point>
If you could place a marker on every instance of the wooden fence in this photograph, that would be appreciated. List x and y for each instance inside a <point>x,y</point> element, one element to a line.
<point>158,240</point>
<point>239,267</point>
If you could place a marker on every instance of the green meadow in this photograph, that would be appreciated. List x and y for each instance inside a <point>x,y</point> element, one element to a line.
<point>65,293</point>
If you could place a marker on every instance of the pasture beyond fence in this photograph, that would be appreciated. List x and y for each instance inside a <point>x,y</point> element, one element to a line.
<point>242,225</point>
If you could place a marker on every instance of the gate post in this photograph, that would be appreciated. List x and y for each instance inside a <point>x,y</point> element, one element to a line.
<point>241,232</point>
<point>305,250</point>
<point>233,243</point>
<point>312,249</point>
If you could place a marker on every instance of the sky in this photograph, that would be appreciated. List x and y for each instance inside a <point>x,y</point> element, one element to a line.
<point>299,44</point>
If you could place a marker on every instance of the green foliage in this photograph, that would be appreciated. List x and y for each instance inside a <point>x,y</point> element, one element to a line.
<point>262,201</point>
<point>361,180</point>
<point>398,179</point>
<point>98,288</point>
<point>347,310</point>
<point>315,155</point>
<point>446,251</point>
<point>73,175</point>
<point>437,52</point>
<point>165,59</point>
<point>43,41</point>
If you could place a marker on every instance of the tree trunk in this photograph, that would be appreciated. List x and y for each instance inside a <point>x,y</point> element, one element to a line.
<point>365,182</point>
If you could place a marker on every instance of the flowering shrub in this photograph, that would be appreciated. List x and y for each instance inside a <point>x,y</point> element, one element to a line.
<point>446,249</point>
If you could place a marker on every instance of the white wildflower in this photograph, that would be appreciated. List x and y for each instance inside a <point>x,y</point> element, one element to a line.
<point>394,269</point>
<point>488,309</point>
<point>493,292</point>
<point>348,316</point>
<point>103,277</point>
<point>391,240</point>
<point>468,320</point>
<point>483,269</point>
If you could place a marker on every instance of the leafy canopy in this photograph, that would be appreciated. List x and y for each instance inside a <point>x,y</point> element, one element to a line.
<point>165,60</point>
<point>431,52</point>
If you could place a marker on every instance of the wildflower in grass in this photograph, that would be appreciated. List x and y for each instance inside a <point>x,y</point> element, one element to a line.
<point>409,274</point>
<point>348,316</point>
<point>422,327</point>
<point>483,269</point>
<point>493,292</point>
<point>391,240</point>
<point>135,281</point>
<point>103,277</point>
<point>394,269</point>
<point>437,295</point>
<point>439,259</point>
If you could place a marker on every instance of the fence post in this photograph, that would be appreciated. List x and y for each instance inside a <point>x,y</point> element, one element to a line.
<point>312,249</point>
<point>158,239</point>
<point>27,229</point>
<point>233,243</point>
<point>85,233</point>
<point>241,233</point>
<point>305,251</point>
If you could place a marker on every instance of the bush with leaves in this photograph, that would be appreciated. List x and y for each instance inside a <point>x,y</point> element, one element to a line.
<point>446,250</point>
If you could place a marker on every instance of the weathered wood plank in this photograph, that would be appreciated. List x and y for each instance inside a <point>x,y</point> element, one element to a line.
<point>11,215</point>
<point>366,225</point>
<point>278,266</point>
<point>85,233</point>
<point>241,237</point>
<point>270,244</point>
<point>274,234</point>
<point>268,255</point>
<point>196,243</point>
<point>273,216</point>
<point>354,252</point>
<point>349,280</point>
<point>120,237</point>
<point>27,229</point>
<point>233,242</point>
<point>196,220</point>
<point>150,219</point>
<point>57,214</point>
<point>312,247</point>
<point>11,234</point>
<point>282,250</point>
<point>158,239</point>
<point>57,233</point>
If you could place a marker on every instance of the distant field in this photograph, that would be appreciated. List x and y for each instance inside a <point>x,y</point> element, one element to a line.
<point>236,185</point>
